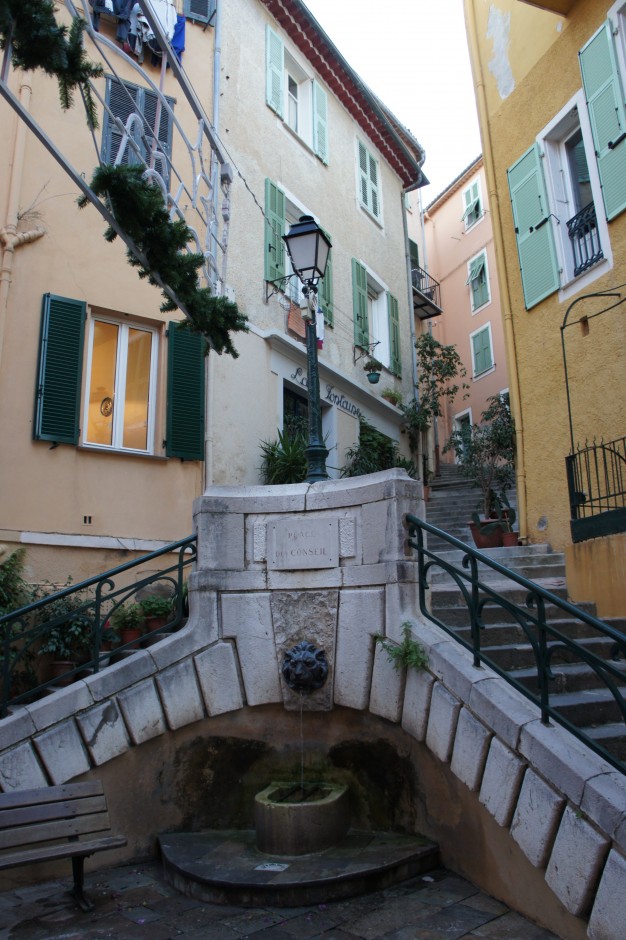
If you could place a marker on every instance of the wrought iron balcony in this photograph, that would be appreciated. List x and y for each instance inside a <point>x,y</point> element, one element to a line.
<point>426,299</point>
<point>585,239</point>
<point>596,479</point>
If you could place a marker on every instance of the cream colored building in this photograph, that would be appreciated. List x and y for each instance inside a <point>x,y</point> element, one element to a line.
<point>112,421</point>
<point>550,81</point>
<point>461,256</point>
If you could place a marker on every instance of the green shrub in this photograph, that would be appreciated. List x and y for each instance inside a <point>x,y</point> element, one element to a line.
<point>284,460</point>
<point>374,451</point>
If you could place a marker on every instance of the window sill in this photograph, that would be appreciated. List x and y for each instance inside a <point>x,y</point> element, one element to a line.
<point>376,219</point>
<point>481,375</point>
<point>468,228</point>
<point>96,449</point>
<point>301,140</point>
<point>482,307</point>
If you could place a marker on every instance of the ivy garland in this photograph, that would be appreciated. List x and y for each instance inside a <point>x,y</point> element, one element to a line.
<point>37,41</point>
<point>139,210</point>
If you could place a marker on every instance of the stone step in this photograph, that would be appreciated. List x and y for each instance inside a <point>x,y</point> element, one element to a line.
<point>497,633</point>
<point>532,569</point>
<point>611,736</point>
<point>589,707</point>
<point>568,677</point>
<point>443,595</point>
<point>520,655</point>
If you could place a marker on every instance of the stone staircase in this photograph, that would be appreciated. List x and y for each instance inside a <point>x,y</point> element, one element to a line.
<point>576,691</point>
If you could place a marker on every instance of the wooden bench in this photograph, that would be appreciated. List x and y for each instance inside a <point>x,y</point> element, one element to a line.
<point>69,821</point>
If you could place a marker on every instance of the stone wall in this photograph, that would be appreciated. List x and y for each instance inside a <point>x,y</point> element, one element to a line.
<point>522,809</point>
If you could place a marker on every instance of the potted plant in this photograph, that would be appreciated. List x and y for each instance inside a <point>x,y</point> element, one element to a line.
<point>128,622</point>
<point>68,642</point>
<point>392,395</point>
<point>373,368</point>
<point>157,611</point>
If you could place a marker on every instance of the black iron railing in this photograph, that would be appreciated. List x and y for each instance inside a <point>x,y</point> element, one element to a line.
<point>585,239</point>
<point>85,611</point>
<point>427,299</point>
<point>551,640</point>
<point>596,480</point>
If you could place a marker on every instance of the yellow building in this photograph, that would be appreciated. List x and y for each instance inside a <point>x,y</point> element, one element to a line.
<point>550,81</point>
<point>112,421</point>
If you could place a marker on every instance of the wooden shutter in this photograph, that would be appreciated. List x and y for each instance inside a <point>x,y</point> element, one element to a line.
<point>481,346</point>
<point>185,394</point>
<point>149,101</point>
<point>601,81</point>
<point>274,71</point>
<point>59,377</point>
<point>363,176</point>
<point>320,122</point>
<point>200,10</point>
<point>274,231</point>
<point>359,303</point>
<point>325,291</point>
<point>533,228</point>
<point>121,98</point>
<point>394,335</point>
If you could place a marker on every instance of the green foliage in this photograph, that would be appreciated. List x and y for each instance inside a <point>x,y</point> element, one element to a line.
<point>15,592</point>
<point>284,459</point>
<point>374,451</point>
<point>373,365</point>
<point>127,616</point>
<point>64,623</point>
<point>504,516</point>
<point>140,212</point>
<point>486,452</point>
<point>439,368</point>
<point>38,42</point>
<point>155,605</point>
<point>392,395</point>
<point>409,654</point>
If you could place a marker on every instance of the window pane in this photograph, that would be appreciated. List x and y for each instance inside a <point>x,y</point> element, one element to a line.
<point>102,383</point>
<point>137,389</point>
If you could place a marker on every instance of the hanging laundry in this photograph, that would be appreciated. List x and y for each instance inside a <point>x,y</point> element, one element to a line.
<point>98,7</point>
<point>122,9</point>
<point>140,34</point>
<point>178,39</point>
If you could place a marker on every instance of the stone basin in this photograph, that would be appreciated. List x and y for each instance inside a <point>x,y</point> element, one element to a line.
<point>292,820</point>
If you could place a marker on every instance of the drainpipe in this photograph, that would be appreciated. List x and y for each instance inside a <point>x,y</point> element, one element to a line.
<point>503,279</point>
<point>209,410</point>
<point>10,238</point>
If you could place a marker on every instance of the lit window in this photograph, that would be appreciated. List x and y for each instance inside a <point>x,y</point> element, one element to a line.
<point>121,380</point>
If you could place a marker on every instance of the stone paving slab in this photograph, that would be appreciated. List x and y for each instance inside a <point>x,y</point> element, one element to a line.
<point>135,903</point>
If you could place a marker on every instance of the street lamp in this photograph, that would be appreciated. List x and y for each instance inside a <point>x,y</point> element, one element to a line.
<point>308,249</point>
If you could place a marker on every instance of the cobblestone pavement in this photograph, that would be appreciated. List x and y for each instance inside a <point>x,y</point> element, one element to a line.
<point>135,902</point>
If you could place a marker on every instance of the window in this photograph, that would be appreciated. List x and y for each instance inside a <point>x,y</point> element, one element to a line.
<point>137,109</point>
<point>280,212</point>
<point>472,205</point>
<point>376,318</point>
<point>121,386</point>
<point>478,280</point>
<point>296,96</point>
<point>201,10</point>
<point>482,350</point>
<point>573,179</point>
<point>119,410</point>
<point>369,186</point>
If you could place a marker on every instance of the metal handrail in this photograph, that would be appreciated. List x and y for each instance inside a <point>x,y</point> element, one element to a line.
<point>544,638</point>
<point>85,607</point>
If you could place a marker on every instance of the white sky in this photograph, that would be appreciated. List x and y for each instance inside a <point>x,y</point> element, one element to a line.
<point>413,55</point>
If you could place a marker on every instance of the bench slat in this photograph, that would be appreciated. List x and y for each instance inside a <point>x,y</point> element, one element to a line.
<point>67,791</point>
<point>69,849</point>
<point>54,829</point>
<point>65,809</point>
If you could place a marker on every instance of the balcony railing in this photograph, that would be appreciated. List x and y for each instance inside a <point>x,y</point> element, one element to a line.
<point>596,479</point>
<point>426,298</point>
<point>585,239</point>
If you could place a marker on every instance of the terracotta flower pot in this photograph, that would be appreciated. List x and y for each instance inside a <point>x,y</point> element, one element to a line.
<point>486,539</point>
<point>510,539</point>
<point>130,635</point>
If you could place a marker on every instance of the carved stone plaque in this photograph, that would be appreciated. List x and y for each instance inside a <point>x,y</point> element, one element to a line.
<point>294,544</point>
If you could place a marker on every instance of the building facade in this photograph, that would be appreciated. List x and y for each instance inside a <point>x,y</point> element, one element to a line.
<point>114,420</point>
<point>550,94</point>
<point>461,257</point>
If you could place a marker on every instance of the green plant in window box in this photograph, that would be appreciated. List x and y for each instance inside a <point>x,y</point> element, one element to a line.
<point>392,395</point>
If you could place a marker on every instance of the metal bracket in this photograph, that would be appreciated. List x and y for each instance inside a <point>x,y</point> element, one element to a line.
<point>275,290</point>
<point>364,351</point>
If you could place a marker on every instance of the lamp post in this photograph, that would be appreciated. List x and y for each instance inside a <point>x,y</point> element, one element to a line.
<point>308,249</point>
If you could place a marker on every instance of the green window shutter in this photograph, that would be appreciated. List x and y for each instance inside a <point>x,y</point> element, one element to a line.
<point>274,71</point>
<point>320,122</point>
<point>57,403</point>
<point>325,291</point>
<point>359,304</point>
<point>368,180</point>
<point>200,10</point>
<point>601,81</point>
<point>481,346</point>
<point>394,335</point>
<point>414,256</point>
<point>185,394</point>
<point>535,238</point>
<point>121,97</point>
<point>478,282</point>
<point>274,231</point>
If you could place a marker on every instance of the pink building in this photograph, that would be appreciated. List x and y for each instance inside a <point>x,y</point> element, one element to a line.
<point>460,254</point>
